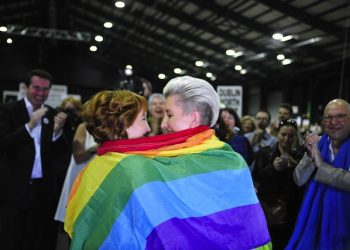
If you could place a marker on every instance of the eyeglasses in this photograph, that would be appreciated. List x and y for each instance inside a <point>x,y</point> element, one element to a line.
<point>337,117</point>
<point>288,122</point>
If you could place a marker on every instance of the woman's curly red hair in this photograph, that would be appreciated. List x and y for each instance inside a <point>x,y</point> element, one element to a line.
<point>109,113</point>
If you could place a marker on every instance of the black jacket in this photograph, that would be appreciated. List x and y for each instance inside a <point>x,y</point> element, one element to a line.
<point>17,153</point>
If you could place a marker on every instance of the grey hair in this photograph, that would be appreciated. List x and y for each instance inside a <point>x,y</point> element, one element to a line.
<point>153,96</point>
<point>195,95</point>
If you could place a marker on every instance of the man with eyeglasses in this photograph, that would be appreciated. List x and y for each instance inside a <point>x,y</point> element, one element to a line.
<point>324,218</point>
<point>30,137</point>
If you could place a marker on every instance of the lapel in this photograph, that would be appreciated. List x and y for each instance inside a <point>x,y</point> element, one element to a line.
<point>46,127</point>
<point>21,112</point>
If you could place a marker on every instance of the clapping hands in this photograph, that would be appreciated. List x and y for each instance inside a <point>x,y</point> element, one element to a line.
<point>36,116</point>
<point>311,144</point>
<point>59,120</point>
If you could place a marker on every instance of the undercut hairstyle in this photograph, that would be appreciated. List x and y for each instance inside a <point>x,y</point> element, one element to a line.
<point>109,113</point>
<point>195,94</point>
<point>38,72</point>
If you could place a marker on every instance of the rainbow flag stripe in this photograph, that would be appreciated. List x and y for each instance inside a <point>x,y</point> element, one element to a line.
<point>195,197</point>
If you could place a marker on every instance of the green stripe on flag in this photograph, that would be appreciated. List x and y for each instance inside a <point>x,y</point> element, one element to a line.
<point>108,202</point>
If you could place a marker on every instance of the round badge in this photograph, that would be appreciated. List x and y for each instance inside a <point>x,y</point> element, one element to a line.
<point>45,120</point>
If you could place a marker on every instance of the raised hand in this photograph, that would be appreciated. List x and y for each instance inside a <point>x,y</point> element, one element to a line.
<point>36,116</point>
<point>311,141</point>
<point>59,121</point>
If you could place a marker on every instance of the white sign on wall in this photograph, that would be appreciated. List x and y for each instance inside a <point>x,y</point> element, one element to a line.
<point>231,97</point>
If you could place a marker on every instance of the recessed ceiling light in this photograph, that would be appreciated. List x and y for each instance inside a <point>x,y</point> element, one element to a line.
<point>230,52</point>
<point>9,40</point>
<point>209,74</point>
<point>277,36</point>
<point>108,25</point>
<point>280,57</point>
<point>93,48</point>
<point>128,66</point>
<point>243,71</point>
<point>286,61</point>
<point>128,72</point>
<point>161,76</point>
<point>3,29</point>
<point>177,71</point>
<point>199,63</point>
<point>238,67</point>
<point>119,4</point>
<point>99,38</point>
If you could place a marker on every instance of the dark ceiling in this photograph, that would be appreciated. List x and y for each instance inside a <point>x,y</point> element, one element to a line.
<point>158,36</point>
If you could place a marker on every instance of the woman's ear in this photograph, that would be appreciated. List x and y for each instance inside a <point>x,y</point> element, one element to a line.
<point>195,119</point>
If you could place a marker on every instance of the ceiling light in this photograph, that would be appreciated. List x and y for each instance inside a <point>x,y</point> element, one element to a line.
<point>98,38</point>
<point>108,25</point>
<point>128,66</point>
<point>230,52</point>
<point>306,42</point>
<point>199,63</point>
<point>277,36</point>
<point>243,71</point>
<point>256,57</point>
<point>286,38</point>
<point>9,40</point>
<point>238,67</point>
<point>3,29</point>
<point>280,57</point>
<point>93,48</point>
<point>209,74</point>
<point>177,71</point>
<point>286,61</point>
<point>128,72</point>
<point>161,76</point>
<point>119,4</point>
<point>237,54</point>
<point>213,78</point>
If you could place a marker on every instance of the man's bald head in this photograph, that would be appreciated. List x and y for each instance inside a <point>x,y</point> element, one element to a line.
<point>336,120</point>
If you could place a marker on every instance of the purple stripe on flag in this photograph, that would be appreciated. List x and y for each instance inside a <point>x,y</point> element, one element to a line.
<point>236,228</point>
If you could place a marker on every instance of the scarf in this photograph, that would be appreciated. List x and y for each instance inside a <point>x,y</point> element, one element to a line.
<point>324,218</point>
<point>185,190</point>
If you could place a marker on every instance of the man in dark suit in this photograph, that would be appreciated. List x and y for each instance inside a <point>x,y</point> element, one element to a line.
<point>30,136</point>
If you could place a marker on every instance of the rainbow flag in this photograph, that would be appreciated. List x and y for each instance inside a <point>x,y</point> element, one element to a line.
<point>179,191</point>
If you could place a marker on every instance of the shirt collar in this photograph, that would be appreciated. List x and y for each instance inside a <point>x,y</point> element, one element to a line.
<point>29,106</point>
<point>330,148</point>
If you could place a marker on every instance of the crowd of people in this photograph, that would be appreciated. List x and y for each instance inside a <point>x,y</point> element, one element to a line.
<point>136,170</point>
